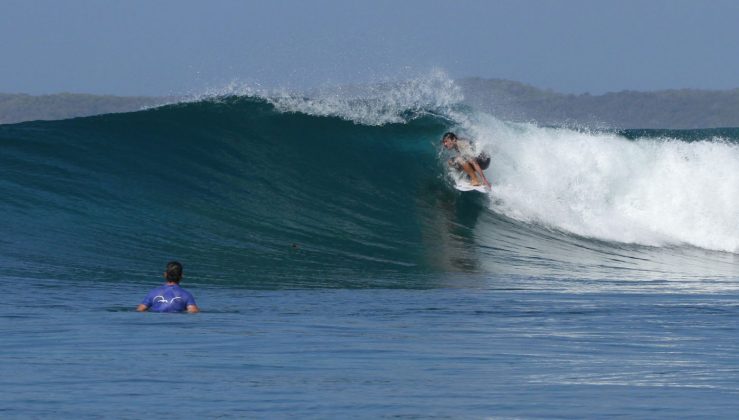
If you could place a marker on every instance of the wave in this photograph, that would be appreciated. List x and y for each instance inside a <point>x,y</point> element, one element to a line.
<point>350,191</point>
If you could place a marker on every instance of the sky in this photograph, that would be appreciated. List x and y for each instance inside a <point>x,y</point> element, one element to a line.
<point>158,47</point>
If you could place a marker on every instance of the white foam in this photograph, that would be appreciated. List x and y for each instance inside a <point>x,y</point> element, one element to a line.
<point>233,88</point>
<point>377,104</point>
<point>648,191</point>
<point>372,104</point>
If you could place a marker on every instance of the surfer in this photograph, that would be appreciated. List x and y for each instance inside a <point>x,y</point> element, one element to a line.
<point>467,159</point>
<point>170,297</point>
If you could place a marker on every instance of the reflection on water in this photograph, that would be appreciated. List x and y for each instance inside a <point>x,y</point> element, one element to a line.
<point>449,219</point>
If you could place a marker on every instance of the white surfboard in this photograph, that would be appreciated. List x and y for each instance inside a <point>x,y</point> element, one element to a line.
<point>464,185</point>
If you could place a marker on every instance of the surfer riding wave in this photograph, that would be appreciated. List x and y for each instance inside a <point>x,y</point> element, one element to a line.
<point>467,160</point>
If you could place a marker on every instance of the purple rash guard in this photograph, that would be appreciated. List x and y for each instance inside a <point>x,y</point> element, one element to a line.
<point>168,299</point>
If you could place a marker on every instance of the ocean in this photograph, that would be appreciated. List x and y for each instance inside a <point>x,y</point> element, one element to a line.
<point>340,274</point>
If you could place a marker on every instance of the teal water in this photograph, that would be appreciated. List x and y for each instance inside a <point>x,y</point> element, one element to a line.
<point>340,274</point>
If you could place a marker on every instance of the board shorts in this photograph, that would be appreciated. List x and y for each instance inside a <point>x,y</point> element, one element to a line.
<point>483,159</point>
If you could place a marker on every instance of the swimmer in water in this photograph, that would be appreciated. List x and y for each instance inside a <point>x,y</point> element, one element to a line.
<point>170,297</point>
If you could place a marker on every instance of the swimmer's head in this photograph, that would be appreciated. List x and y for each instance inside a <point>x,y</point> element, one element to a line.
<point>174,272</point>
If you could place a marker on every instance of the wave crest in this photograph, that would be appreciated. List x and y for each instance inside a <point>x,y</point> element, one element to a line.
<point>376,104</point>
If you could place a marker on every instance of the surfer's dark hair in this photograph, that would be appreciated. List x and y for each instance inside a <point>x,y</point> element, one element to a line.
<point>174,271</point>
<point>449,135</point>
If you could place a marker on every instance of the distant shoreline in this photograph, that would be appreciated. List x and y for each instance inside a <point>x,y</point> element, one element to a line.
<point>505,99</point>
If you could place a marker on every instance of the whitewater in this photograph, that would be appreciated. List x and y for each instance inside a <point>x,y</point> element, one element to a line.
<point>339,273</point>
<point>649,191</point>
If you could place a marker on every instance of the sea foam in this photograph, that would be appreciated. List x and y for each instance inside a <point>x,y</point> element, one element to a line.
<point>649,191</point>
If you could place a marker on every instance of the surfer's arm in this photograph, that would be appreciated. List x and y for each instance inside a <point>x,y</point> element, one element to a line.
<point>477,168</point>
<point>193,309</point>
<point>142,308</point>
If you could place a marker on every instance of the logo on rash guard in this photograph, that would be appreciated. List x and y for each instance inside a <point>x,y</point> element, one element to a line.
<point>161,299</point>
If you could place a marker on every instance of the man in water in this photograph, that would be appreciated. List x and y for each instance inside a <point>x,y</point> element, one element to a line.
<point>467,159</point>
<point>170,297</point>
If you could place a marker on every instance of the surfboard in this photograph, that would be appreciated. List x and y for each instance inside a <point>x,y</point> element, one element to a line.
<point>464,185</point>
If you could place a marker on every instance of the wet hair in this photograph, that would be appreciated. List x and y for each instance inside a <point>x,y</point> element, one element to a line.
<point>174,271</point>
<point>449,135</point>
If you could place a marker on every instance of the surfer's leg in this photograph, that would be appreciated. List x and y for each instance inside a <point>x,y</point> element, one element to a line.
<point>470,171</point>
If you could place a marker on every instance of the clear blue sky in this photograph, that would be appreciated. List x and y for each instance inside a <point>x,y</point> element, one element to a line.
<point>168,47</point>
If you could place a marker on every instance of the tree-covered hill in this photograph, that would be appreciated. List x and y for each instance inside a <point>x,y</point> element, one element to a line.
<point>685,108</point>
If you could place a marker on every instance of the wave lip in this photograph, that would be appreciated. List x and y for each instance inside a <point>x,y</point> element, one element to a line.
<point>373,104</point>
